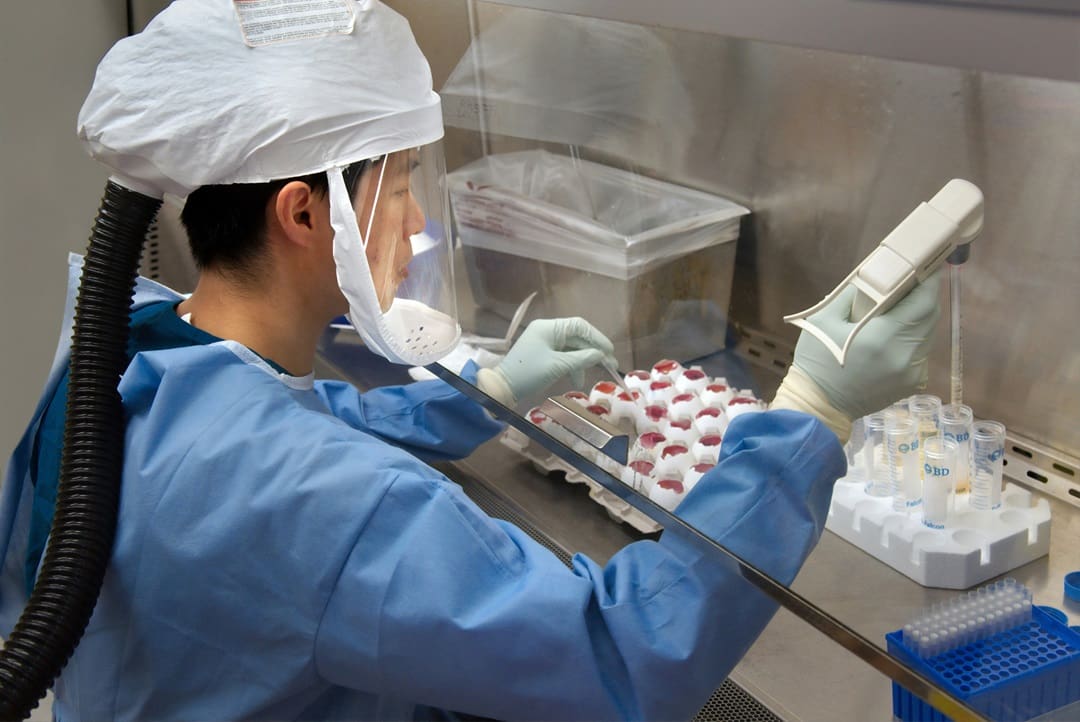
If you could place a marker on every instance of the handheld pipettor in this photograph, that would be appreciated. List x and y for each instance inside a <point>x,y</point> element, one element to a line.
<point>914,250</point>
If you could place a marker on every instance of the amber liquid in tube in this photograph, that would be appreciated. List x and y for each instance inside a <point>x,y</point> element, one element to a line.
<point>926,413</point>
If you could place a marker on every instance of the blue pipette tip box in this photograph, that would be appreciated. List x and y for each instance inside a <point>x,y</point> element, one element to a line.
<point>1012,676</point>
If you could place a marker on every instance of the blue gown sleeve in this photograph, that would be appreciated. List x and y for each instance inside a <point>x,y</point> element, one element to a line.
<point>443,605</point>
<point>429,419</point>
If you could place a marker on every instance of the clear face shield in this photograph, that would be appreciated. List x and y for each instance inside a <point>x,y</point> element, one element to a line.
<point>392,250</point>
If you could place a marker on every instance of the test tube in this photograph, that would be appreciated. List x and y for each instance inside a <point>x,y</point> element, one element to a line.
<point>903,454</point>
<point>899,408</point>
<point>926,410</point>
<point>853,450</point>
<point>939,470</point>
<point>875,458</point>
<point>956,420</point>
<point>988,452</point>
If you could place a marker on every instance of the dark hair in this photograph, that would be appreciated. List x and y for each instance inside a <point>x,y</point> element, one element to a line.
<point>226,224</point>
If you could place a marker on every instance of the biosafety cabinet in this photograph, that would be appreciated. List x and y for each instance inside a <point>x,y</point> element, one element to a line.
<point>684,175</point>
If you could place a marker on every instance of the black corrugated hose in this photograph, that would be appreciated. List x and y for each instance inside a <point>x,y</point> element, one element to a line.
<point>84,523</point>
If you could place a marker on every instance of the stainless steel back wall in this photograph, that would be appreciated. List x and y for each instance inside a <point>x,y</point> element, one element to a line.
<point>830,151</point>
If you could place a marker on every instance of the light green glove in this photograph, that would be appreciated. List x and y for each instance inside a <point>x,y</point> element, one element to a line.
<point>547,350</point>
<point>886,361</point>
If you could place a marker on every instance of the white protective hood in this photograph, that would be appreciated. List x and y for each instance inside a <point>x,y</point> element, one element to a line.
<point>187,102</point>
<point>218,92</point>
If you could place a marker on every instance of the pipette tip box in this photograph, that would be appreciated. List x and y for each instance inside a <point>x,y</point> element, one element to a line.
<point>1015,675</point>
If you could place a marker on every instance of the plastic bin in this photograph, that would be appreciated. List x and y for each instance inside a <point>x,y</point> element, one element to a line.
<point>1015,675</point>
<point>648,263</point>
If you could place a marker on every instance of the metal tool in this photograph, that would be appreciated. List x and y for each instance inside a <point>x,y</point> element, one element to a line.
<point>502,345</point>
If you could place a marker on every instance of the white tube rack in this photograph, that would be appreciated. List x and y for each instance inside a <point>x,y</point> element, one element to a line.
<point>547,463</point>
<point>976,546</point>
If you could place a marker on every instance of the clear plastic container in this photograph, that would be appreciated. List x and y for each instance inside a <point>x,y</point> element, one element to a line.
<point>904,462</point>
<point>956,421</point>
<point>939,467</point>
<point>988,453</point>
<point>926,411</point>
<point>853,451</point>
<point>652,262</point>
<point>875,456</point>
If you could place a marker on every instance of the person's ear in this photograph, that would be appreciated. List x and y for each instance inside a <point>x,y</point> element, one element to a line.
<point>301,213</point>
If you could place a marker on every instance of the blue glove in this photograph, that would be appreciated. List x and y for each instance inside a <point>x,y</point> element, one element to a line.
<point>546,351</point>
<point>887,360</point>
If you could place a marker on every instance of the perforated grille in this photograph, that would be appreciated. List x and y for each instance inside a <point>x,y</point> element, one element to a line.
<point>732,703</point>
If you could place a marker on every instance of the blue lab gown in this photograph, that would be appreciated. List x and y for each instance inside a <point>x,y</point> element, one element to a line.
<point>283,553</point>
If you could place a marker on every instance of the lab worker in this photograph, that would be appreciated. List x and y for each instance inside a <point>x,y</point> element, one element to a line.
<point>283,550</point>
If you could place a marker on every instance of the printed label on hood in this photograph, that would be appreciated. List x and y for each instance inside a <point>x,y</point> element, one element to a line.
<point>264,22</point>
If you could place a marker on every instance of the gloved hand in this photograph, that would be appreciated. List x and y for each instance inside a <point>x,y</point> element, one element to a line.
<point>547,350</point>
<point>886,361</point>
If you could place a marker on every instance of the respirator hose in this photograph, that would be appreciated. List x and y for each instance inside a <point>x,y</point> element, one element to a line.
<point>84,523</point>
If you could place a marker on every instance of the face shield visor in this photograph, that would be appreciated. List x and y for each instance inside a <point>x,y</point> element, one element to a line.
<point>393,255</point>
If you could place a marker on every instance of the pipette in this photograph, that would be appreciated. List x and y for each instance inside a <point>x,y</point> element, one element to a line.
<point>613,371</point>
<point>908,255</point>
<point>956,361</point>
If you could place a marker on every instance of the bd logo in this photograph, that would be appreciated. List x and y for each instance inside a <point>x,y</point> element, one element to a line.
<point>935,470</point>
<point>913,446</point>
<point>958,438</point>
<point>997,454</point>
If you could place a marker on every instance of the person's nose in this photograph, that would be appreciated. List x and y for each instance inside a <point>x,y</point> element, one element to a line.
<point>414,218</point>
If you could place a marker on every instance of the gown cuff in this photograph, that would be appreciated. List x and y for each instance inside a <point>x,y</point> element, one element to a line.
<point>492,383</point>
<point>799,392</point>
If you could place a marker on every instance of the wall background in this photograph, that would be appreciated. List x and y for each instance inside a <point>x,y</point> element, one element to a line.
<point>49,187</point>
